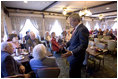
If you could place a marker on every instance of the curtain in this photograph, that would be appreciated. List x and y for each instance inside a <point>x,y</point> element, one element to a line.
<point>92,24</point>
<point>37,23</point>
<point>5,30</point>
<point>18,23</point>
<point>50,21</point>
<point>62,22</point>
<point>110,24</point>
<point>2,24</point>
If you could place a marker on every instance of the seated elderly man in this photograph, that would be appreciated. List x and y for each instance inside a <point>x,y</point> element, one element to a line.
<point>32,41</point>
<point>40,59</point>
<point>9,66</point>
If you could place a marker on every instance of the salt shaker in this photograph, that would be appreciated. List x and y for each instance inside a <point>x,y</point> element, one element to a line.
<point>17,52</point>
<point>29,49</point>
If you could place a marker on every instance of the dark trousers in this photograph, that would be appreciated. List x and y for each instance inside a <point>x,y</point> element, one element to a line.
<point>75,69</point>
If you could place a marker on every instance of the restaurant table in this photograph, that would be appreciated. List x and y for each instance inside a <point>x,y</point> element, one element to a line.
<point>92,51</point>
<point>25,62</point>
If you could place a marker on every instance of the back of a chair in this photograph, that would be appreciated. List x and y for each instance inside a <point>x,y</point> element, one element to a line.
<point>100,45</point>
<point>91,43</point>
<point>96,40</point>
<point>111,45</point>
<point>50,72</point>
<point>107,37</point>
<point>16,76</point>
<point>100,36</point>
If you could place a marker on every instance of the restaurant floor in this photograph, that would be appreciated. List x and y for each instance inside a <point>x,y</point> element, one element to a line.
<point>109,70</point>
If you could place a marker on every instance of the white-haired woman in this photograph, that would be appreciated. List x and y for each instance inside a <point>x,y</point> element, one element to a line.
<point>40,59</point>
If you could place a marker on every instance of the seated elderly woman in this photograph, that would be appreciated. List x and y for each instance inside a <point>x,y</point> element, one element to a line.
<point>40,59</point>
<point>13,39</point>
<point>9,66</point>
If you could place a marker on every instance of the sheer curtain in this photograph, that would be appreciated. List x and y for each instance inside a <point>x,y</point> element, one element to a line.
<point>62,22</point>
<point>18,23</point>
<point>5,30</point>
<point>110,24</point>
<point>92,24</point>
<point>49,21</point>
<point>37,23</point>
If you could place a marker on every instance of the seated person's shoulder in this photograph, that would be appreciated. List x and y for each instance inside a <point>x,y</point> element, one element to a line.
<point>9,59</point>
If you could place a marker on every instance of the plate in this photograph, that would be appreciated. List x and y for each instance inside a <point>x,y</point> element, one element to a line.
<point>24,53</point>
<point>19,57</point>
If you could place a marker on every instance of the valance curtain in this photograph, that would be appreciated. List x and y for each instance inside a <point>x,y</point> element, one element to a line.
<point>37,23</point>
<point>18,23</point>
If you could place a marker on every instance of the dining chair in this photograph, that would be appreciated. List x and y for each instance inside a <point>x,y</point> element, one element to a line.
<point>96,40</point>
<point>16,76</point>
<point>49,72</point>
<point>107,37</point>
<point>100,36</point>
<point>112,46</point>
<point>100,58</point>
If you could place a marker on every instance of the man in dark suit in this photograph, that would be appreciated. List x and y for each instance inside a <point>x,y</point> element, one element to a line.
<point>76,46</point>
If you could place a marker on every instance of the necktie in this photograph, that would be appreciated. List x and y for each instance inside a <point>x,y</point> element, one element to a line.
<point>73,31</point>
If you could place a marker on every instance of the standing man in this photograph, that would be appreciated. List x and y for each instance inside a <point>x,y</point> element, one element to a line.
<point>76,46</point>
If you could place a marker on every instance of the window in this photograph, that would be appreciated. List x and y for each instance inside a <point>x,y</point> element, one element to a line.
<point>96,26</point>
<point>56,27</point>
<point>114,26</point>
<point>28,27</point>
<point>88,26</point>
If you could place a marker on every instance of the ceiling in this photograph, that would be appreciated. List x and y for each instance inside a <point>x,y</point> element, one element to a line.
<point>96,7</point>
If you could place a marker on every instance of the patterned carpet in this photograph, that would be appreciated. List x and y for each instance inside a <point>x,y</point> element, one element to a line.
<point>109,70</point>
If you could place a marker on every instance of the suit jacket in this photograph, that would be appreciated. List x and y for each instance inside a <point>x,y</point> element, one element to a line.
<point>78,43</point>
<point>9,66</point>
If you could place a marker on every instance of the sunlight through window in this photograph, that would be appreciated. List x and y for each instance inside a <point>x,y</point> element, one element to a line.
<point>56,28</point>
<point>28,27</point>
<point>96,26</point>
<point>88,26</point>
<point>114,26</point>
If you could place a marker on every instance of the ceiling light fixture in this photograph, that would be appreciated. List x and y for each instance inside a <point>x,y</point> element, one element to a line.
<point>25,1</point>
<point>64,11</point>
<point>101,16</point>
<point>85,12</point>
<point>107,8</point>
<point>115,19</point>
